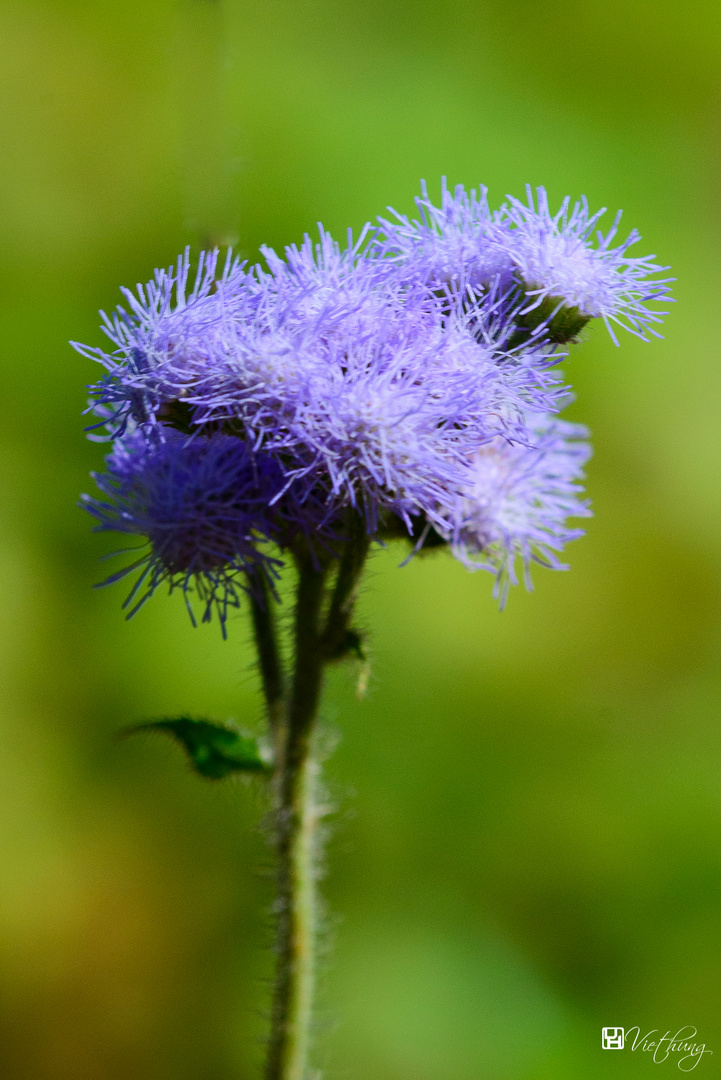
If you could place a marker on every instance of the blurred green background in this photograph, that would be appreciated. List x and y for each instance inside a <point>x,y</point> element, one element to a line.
<point>527,843</point>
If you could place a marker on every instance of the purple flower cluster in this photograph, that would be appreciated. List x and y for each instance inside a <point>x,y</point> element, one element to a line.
<point>410,377</point>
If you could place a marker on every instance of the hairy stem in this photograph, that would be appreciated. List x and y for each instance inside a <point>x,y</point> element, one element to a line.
<point>296,816</point>
<point>296,808</point>
<point>334,636</point>
<point>269,658</point>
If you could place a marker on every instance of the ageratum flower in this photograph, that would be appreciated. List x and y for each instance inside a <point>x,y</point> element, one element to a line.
<point>370,385</point>
<point>455,245</point>
<point>204,506</point>
<point>551,258</point>
<point>564,274</point>
<point>352,378</point>
<point>411,375</point>
<point>518,501</point>
<point>165,328</point>
<point>171,342</point>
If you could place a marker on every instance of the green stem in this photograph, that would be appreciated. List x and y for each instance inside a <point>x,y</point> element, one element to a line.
<point>296,817</point>
<point>269,658</point>
<point>334,636</point>
<point>296,809</point>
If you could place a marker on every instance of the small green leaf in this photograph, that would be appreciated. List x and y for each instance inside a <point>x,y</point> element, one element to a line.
<point>214,751</point>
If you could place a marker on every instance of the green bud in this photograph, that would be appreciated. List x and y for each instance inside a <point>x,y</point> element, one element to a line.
<point>564,326</point>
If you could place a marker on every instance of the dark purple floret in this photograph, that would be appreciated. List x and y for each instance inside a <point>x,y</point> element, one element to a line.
<point>204,507</point>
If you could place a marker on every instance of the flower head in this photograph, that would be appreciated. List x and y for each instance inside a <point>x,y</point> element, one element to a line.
<point>456,244</point>
<point>561,270</point>
<point>518,499</point>
<point>374,389</point>
<point>563,279</point>
<point>166,333</point>
<point>362,385</point>
<point>204,507</point>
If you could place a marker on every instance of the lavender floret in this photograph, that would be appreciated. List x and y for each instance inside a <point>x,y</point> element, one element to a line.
<point>518,500</point>
<point>551,258</point>
<point>560,267</point>
<point>456,244</point>
<point>165,336</point>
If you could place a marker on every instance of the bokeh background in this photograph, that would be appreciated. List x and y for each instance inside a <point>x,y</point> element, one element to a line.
<point>527,840</point>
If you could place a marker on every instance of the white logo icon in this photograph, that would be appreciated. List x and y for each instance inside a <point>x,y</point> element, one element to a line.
<point>612,1038</point>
